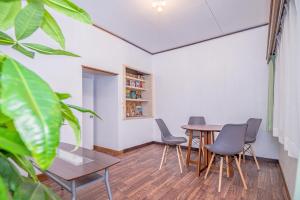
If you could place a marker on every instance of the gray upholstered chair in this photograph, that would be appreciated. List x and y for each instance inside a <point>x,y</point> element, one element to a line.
<point>250,138</point>
<point>196,120</point>
<point>230,142</point>
<point>169,140</point>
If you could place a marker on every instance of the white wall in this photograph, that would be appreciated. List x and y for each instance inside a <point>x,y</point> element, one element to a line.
<point>289,169</point>
<point>97,49</point>
<point>106,103</point>
<point>225,80</point>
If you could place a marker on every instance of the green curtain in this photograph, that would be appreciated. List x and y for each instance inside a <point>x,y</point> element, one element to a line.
<point>271,93</point>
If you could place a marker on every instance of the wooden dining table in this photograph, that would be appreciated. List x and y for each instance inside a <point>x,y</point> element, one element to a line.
<point>207,134</point>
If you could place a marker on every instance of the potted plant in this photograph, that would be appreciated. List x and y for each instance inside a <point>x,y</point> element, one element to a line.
<point>31,113</point>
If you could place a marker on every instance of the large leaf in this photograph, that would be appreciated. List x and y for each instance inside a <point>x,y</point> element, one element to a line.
<point>70,9</point>
<point>9,173</point>
<point>29,19</point>
<point>5,39</point>
<point>11,141</point>
<point>22,50</point>
<point>50,26</point>
<point>8,11</point>
<point>47,50</point>
<point>4,119</point>
<point>62,96</point>
<point>84,110</point>
<point>25,164</point>
<point>34,191</point>
<point>72,120</point>
<point>3,190</point>
<point>35,109</point>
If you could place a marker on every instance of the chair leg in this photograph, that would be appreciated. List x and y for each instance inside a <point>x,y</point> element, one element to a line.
<point>177,149</point>
<point>227,166</point>
<point>220,174</point>
<point>253,154</point>
<point>165,160</point>
<point>240,172</point>
<point>181,155</point>
<point>209,165</point>
<point>163,157</point>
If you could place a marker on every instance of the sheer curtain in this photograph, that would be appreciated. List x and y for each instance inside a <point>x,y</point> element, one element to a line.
<point>286,124</point>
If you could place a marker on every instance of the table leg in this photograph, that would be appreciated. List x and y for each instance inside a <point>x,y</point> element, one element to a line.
<point>188,153</point>
<point>107,184</point>
<point>73,189</point>
<point>209,141</point>
<point>199,155</point>
<point>205,150</point>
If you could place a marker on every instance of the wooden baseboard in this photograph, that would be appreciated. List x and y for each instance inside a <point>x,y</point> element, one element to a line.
<point>108,151</point>
<point>118,153</point>
<point>138,146</point>
<point>285,185</point>
<point>42,177</point>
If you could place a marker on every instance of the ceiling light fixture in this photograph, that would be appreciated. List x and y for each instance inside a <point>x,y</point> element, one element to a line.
<point>158,5</point>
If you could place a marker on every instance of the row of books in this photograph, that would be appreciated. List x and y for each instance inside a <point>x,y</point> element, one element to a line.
<point>134,83</point>
<point>133,94</point>
<point>134,110</point>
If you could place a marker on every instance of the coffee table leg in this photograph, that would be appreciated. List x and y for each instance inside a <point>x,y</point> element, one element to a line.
<point>107,184</point>
<point>73,189</point>
<point>188,153</point>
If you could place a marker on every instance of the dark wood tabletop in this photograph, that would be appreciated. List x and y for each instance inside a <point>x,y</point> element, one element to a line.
<point>207,127</point>
<point>68,171</point>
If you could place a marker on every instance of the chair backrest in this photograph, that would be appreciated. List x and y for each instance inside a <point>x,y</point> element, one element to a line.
<point>163,129</point>
<point>196,120</point>
<point>232,137</point>
<point>253,126</point>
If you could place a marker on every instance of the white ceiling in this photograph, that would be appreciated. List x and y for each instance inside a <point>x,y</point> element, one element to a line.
<point>181,23</point>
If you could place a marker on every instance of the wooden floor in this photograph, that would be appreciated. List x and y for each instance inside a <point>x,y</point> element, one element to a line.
<point>137,177</point>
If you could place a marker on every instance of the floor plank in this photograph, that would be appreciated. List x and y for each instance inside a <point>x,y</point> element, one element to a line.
<point>137,177</point>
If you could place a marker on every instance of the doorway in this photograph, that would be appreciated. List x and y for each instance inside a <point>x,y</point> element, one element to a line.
<point>100,93</point>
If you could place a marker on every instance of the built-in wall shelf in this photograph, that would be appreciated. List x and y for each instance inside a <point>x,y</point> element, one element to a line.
<point>137,100</point>
<point>135,88</point>
<point>137,94</point>
<point>136,79</point>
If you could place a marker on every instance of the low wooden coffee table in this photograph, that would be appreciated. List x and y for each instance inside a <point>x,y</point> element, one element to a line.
<point>79,168</point>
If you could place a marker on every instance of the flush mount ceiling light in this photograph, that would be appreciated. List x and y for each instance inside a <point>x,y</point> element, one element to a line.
<point>158,5</point>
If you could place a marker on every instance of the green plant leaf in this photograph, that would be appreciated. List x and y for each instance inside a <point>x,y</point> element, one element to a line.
<point>29,19</point>
<point>9,173</point>
<point>3,190</point>
<point>25,164</point>
<point>84,110</point>
<point>51,28</point>
<point>5,39</point>
<point>4,119</point>
<point>70,9</point>
<point>11,141</point>
<point>72,121</point>
<point>47,50</point>
<point>62,96</point>
<point>34,191</point>
<point>24,51</point>
<point>8,12</point>
<point>34,108</point>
